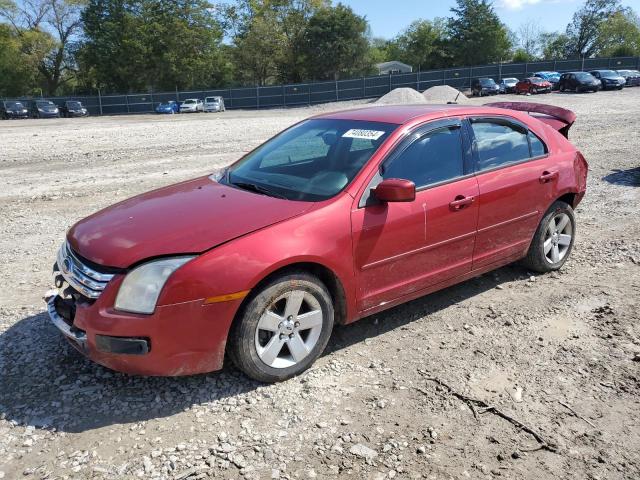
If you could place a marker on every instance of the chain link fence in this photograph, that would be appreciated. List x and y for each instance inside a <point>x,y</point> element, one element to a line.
<point>303,94</point>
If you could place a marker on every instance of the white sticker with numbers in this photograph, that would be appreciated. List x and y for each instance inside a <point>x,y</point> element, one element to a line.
<point>366,134</point>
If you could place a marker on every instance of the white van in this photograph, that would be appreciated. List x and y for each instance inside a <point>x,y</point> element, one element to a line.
<point>214,104</point>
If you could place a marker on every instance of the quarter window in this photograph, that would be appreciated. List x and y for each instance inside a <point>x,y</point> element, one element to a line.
<point>538,148</point>
<point>432,158</point>
<point>499,144</point>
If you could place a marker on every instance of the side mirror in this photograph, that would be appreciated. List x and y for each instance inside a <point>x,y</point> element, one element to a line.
<point>395,190</point>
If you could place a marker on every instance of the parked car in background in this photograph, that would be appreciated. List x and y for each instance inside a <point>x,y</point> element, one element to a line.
<point>551,77</point>
<point>73,108</point>
<point>169,107</point>
<point>609,79</point>
<point>336,218</point>
<point>579,82</point>
<point>631,77</point>
<point>214,104</point>
<point>484,86</point>
<point>44,109</point>
<point>507,85</point>
<point>13,109</point>
<point>533,85</point>
<point>192,105</point>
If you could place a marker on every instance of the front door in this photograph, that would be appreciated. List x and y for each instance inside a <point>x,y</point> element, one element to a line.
<point>401,248</point>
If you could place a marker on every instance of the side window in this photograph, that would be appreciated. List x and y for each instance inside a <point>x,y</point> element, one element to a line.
<point>306,147</point>
<point>432,158</point>
<point>499,144</point>
<point>538,148</point>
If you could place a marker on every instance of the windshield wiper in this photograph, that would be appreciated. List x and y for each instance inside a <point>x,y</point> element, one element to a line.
<point>258,189</point>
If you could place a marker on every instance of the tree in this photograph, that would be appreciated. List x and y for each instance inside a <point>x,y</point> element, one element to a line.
<point>423,45</point>
<point>160,44</point>
<point>619,35</point>
<point>59,19</point>
<point>584,29</point>
<point>554,45</point>
<point>268,36</point>
<point>477,36</point>
<point>528,38</point>
<point>335,44</point>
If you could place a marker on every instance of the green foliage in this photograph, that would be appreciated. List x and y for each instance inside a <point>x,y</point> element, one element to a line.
<point>158,44</point>
<point>477,36</point>
<point>554,46</point>
<point>423,45</point>
<point>584,29</point>
<point>522,56</point>
<point>335,44</point>
<point>619,35</point>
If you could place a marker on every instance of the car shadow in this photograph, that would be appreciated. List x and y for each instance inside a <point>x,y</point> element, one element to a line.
<point>630,177</point>
<point>46,384</point>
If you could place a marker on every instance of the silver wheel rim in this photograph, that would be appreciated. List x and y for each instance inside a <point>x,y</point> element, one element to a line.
<point>557,238</point>
<point>289,329</point>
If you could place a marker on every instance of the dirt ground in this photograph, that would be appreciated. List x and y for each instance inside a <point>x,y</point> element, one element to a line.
<point>559,353</point>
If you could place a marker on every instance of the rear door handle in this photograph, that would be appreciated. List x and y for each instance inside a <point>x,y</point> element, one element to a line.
<point>546,177</point>
<point>460,202</point>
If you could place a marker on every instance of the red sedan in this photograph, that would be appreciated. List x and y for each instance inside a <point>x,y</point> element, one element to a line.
<point>338,217</point>
<point>533,85</point>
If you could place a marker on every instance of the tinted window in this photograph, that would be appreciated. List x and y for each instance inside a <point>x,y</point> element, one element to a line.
<point>499,144</point>
<point>433,158</point>
<point>307,146</point>
<point>538,148</point>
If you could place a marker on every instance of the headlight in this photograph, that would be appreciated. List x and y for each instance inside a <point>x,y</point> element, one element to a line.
<point>141,287</point>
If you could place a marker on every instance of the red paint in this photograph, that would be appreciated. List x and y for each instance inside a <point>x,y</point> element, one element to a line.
<point>382,254</point>
<point>533,85</point>
<point>395,190</point>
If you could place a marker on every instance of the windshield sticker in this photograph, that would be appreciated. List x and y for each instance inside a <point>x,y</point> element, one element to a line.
<point>366,134</point>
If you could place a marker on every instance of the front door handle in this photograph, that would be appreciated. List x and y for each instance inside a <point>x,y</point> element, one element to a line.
<point>460,202</point>
<point>546,176</point>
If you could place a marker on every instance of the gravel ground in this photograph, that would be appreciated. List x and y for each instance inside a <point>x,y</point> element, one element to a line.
<point>556,356</point>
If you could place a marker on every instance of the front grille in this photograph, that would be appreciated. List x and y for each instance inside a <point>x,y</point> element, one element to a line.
<point>81,277</point>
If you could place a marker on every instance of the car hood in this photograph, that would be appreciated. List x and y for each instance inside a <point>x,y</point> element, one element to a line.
<point>189,217</point>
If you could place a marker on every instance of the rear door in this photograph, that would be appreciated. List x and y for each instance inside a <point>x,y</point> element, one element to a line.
<point>400,248</point>
<point>517,182</point>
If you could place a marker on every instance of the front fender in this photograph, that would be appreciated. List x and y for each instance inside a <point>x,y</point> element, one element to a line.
<point>321,236</point>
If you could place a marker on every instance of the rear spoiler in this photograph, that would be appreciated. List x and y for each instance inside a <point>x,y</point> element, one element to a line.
<point>559,118</point>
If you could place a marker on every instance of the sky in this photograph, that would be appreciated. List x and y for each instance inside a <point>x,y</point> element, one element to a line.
<point>388,18</point>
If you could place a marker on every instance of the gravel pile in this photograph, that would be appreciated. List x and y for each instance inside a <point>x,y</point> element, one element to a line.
<point>441,94</point>
<point>401,96</point>
<point>560,353</point>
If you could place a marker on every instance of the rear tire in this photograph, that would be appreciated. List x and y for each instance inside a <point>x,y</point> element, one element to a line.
<point>553,240</point>
<point>283,328</point>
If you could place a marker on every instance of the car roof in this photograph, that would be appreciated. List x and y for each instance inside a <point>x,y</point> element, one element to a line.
<point>401,114</point>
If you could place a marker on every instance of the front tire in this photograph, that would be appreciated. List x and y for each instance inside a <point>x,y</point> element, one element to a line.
<point>553,240</point>
<point>283,328</point>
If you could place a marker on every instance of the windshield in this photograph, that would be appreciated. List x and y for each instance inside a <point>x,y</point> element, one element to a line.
<point>188,102</point>
<point>608,74</point>
<point>487,82</point>
<point>537,80</point>
<point>584,76</point>
<point>510,80</point>
<point>212,99</point>
<point>14,105</point>
<point>312,161</point>
<point>74,105</point>
<point>44,103</point>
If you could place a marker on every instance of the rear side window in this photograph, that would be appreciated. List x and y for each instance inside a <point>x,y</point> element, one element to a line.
<point>435,157</point>
<point>538,148</point>
<point>499,144</point>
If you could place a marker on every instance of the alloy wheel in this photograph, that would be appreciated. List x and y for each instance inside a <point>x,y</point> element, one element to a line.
<point>289,329</point>
<point>557,239</point>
